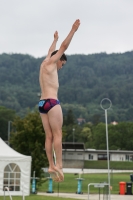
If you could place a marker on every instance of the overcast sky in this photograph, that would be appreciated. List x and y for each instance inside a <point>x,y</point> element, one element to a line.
<point>27,26</point>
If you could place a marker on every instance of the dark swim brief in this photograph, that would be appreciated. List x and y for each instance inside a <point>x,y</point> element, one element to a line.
<point>46,104</point>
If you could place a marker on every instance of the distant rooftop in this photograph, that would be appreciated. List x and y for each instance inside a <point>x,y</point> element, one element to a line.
<point>72,145</point>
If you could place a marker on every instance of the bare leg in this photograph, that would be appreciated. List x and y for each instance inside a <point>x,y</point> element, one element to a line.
<point>52,123</point>
<point>48,140</point>
<point>56,121</point>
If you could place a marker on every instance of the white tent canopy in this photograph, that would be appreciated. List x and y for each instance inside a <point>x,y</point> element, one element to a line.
<point>15,171</point>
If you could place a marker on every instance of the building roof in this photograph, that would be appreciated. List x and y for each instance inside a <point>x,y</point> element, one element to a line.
<point>73,146</point>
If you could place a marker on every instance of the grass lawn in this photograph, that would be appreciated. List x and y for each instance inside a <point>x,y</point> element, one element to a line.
<point>35,197</point>
<point>70,183</point>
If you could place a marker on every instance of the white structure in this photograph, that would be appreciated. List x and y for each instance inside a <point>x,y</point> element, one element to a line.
<point>15,171</point>
<point>73,152</point>
<point>78,154</point>
<point>114,155</point>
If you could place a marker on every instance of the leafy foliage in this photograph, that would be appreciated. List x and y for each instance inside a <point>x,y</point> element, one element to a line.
<point>120,136</point>
<point>5,116</point>
<point>84,82</point>
<point>28,138</point>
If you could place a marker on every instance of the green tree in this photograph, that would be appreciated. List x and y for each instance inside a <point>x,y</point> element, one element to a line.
<point>5,116</point>
<point>69,118</point>
<point>28,138</point>
<point>120,136</point>
<point>86,136</point>
<point>99,136</point>
<point>68,125</point>
<point>125,136</point>
<point>85,81</point>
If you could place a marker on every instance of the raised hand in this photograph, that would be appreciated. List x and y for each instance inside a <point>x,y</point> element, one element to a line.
<point>76,25</point>
<point>56,35</point>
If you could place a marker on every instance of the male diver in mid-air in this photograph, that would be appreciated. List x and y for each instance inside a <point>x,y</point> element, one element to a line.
<point>49,105</point>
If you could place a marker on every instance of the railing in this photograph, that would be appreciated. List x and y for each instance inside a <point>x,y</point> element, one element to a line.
<point>99,185</point>
<point>7,189</point>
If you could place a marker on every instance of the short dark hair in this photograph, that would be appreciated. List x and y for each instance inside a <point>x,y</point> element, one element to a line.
<point>62,58</point>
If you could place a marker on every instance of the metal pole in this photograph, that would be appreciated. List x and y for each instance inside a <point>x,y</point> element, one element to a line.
<point>73,134</point>
<point>9,130</point>
<point>107,151</point>
<point>99,193</point>
<point>4,193</point>
<point>107,143</point>
<point>58,189</point>
<point>9,123</point>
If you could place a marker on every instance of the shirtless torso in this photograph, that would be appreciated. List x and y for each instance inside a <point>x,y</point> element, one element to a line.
<point>49,105</point>
<point>48,80</point>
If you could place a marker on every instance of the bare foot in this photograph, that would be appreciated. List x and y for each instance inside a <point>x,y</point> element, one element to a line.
<point>60,173</point>
<point>56,174</point>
